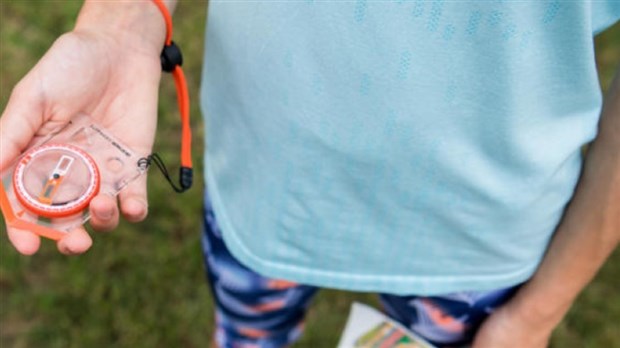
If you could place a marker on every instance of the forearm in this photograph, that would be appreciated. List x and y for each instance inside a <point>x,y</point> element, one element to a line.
<point>588,232</point>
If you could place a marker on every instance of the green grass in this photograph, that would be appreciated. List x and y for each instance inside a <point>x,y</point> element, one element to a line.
<point>143,285</point>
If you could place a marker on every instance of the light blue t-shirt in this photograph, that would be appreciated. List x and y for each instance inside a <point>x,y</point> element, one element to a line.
<point>409,147</point>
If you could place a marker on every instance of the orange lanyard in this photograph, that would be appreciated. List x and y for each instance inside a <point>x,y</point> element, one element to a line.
<point>171,60</point>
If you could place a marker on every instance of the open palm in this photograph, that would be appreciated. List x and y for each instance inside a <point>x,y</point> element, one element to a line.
<point>114,80</point>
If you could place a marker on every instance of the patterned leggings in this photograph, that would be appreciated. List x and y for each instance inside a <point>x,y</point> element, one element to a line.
<point>260,312</point>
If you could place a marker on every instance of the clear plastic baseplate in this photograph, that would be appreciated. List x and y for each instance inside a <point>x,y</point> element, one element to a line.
<point>47,190</point>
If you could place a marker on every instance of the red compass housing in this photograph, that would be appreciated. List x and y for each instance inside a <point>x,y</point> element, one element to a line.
<point>56,180</point>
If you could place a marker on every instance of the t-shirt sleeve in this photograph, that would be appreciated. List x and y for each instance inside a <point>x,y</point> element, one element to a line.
<point>605,13</point>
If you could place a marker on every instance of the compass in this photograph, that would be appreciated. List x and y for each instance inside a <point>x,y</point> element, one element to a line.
<point>56,180</point>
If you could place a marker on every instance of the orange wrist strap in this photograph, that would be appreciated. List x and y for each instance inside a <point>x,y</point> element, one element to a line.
<point>172,59</point>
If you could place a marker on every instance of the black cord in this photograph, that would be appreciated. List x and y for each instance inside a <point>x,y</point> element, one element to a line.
<point>185,174</point>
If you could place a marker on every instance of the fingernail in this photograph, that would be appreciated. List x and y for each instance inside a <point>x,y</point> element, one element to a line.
<point>105,214</point>
<point>137,206</point>
<point>69,250</point>
<point>65,249</point>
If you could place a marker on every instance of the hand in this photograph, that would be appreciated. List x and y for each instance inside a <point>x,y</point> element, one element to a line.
<point>111,75</point>
<point>506,329</point>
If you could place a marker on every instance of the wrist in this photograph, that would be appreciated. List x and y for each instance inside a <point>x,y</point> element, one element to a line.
<point>138,24</point>
<point>535,312</point>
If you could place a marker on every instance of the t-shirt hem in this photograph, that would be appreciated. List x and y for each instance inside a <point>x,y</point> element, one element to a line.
<point>392,284</point>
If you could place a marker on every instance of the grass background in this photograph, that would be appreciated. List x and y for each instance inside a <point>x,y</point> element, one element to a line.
<point>143,285</point>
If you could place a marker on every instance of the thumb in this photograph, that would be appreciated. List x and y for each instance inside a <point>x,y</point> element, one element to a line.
<point>20,121</point>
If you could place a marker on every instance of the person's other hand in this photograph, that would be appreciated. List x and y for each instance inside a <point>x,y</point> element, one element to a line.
<point>505,328</point>
<point>108,68</point>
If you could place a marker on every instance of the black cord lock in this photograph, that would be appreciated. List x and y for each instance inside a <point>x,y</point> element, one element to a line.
<point>171,57</point>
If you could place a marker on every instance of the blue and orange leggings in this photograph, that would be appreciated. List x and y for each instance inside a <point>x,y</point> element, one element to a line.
<point>253,311</point>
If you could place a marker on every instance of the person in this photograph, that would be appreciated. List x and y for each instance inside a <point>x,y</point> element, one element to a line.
<point>426,150</point>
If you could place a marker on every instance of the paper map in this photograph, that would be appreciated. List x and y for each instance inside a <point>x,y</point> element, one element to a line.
<point>369,328</point>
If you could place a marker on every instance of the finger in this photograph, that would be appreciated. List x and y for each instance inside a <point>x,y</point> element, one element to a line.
<point>20,120</point>
<point>75,242</point>
<point>142,104</point>
<point>134,204</point>
<point>104,213</point>
<point>139,107</point>
<point>25,242</point>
